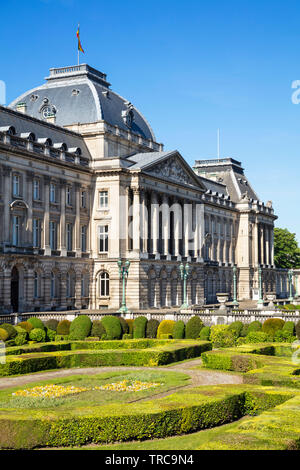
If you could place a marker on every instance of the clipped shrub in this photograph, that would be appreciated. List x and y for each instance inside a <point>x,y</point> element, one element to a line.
<point>151,329</point>
<point>3,334</point>
<point>179,330</point>
<point>26,326</point>
<point>50,334</point>
<point>98,329</point>
<point>254,326</point>
<point>38,335</point>
<point>124,326</point>
<point>130,325</point>
<point>11,331</point>
<point>52,324</point>
<point>193,327</point>
<point>63,327</point>
<point>284,336</point>
<point>21,337</point>
<point>139,327</point>
<point>36,322</point>
<point>289,327</point>
<point>245,330</point>
<point>127,336</point>
<point>166,327</point>
<point>205,333</point>
<point>80,327</point>
<point>257,337</point>
<point>298,329</point>
<point>112,325</point>
<point>61,337</point>
<point>272,325</point>
<point>221,336</point>
<point>236,327</point>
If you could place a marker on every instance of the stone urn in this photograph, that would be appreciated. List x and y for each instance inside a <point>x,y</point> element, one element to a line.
<point>271,297</point>
<point>222,299</point>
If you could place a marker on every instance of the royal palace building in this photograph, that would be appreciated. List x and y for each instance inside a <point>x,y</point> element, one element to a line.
<point>83,183</point>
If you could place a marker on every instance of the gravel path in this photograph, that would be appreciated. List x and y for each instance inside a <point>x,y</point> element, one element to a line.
<point>198,377</point>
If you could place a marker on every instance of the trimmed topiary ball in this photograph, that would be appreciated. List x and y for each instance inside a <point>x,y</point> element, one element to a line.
<point>3,334</point>
<point>50,334</point>
<point>63,327</point>
<point>11,331</point>
<point>254,326</point>
<point>36,322</point>
<point>179,330</point>
<point>80,328</point>
<point>151,330</point>
<point>26,326</point>
<point>236,327</point>
<point>205,333</point>
<point>21,337</point>
<point>272,325</point>
<point>193,327</point>
<point>244,330</point>
<point>38,335</point>
<point>221,336</point>
<point>256,337</point>
<point>98,329</point>
<point>139,327</point>
<point>289,327</point>
<point>112,325</point>
<point>52,324</point>
<point>166,327</point>
<point>124,326</point>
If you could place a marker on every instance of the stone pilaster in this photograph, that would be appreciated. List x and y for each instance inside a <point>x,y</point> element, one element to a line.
<point>62,224</point>
<point>77,220</point>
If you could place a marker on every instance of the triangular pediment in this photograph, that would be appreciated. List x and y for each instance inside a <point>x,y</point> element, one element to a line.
<point>175,169</point>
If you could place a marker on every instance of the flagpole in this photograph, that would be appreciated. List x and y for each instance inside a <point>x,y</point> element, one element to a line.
<point>78,46</point>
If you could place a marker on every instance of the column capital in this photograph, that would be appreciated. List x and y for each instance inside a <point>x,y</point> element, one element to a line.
<point>136,190</point>
<point>6,170</point>
<point>29,175</point>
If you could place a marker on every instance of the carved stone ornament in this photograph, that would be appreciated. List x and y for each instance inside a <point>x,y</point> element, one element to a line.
<point>172,170</point>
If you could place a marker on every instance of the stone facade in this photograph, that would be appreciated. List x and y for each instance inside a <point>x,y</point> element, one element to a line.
<point>85,184</point>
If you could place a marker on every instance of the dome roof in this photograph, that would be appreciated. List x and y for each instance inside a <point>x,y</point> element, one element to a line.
<point>81,94</point>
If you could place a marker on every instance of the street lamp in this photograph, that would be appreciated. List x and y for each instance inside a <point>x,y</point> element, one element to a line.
<point>291,275</point>
<point>260,299</point>
<point>235,301</point>
<point>184,272</point>
<point>123,274</point>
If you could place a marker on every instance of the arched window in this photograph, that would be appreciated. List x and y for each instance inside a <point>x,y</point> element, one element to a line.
<point>70,285</point>
<point>104,284</point>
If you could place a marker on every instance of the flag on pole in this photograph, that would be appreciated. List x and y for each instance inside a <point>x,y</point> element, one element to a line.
<point>79,43</point>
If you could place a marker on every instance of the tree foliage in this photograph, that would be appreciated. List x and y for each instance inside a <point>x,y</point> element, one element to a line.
<point>286,250</point>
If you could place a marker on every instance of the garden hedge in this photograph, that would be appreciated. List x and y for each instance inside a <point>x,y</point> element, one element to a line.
<point>179,330</point>
<point>52,324</point>
<point>139,327</point>
<point>36,322</point>
<point>63,327</point>
<point>166,327</point>
<point>177,414</point>
<point>98,329</point>
<point>10,329</point>
<point>112,325</point>
<point>80,327</point>
<point>151,329</point>
<point>193,328</point>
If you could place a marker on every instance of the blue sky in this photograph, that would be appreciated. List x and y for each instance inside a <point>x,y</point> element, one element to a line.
<point>190,67</point>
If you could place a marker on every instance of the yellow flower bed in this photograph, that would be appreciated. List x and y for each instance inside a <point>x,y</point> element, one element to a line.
<point>49,391</point>
<point>126,386</point>
<point>57,391</point>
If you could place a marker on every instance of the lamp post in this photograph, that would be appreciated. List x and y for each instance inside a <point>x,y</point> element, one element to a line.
<point>184,272</point>
<point>291,275</point>
<point>260,299</point>
<point>235,301</point>
<point>123,274</point>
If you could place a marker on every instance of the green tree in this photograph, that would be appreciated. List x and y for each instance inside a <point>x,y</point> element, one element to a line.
<point>286,250</point>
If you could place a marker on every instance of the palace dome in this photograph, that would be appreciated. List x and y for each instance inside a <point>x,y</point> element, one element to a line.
<point>81,95</point>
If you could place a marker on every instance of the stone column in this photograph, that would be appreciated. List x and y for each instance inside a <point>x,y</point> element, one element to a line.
<point>6,200</point>
<point>255,244</point>
<point>267,244</point>
<point>136,220</point>
<point>272,246</point>
<point>177,228</point>
<point>29,294</point>
<point>62,224</point>
<point>144,223</point>
<point>154,223</point>
<point>78,303</point>
<point>168,293</point>
<point>77,220</point>
<point>157,300</point>
<point>29,183</point>
<point>187,220</point>
<point>262,244</point>
<point>46,228</point>
<point>166,225</point>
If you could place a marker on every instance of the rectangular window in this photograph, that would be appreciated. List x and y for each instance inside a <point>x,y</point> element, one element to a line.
<point>52,192</point>
<point>53,235</point>
<point>36,189</point>
<point>83,238</point>
<point>16,230</point>
<point>52,289</point>
<point>36,286</point>
<point>83,199</point>
<point>69,196</point>
<point>36,233</point>
<point>103,239</point>
<point>16,185</point>
<point>103,199</point>
<point>69,234</point>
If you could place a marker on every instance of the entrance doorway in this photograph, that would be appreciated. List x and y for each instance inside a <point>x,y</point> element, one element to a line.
<point>15,289</point>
